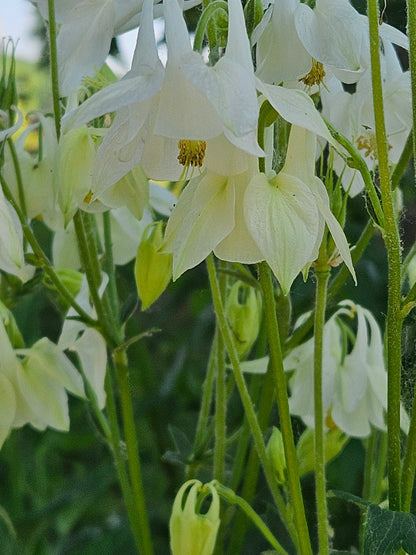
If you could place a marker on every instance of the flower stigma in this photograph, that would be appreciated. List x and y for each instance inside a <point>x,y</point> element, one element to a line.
<point>315,76</point>
<point>191,153</point>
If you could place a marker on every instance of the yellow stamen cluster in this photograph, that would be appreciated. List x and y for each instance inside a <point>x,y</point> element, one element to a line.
<point>191,153</point>
<point>88,197</point>
<point>368,143</point>
<point>315,76</point>
<point>329,423</point>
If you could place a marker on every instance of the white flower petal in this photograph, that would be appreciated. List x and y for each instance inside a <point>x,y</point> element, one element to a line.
<point>202,218</point>
<point>284,222</point>
<point>296,107</point>
<point>83,41</point>
<point>7,407</point>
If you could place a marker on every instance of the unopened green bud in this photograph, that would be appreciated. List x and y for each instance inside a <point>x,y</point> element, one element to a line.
<point>74,163</point>
<point>10,326</point>
<point>244,309</point>
<point>275,452</point>
<point>193,532</point>
<point>153,268</point>
<point>8,91</point>
<point>70,278</point>
<point>334,442</point>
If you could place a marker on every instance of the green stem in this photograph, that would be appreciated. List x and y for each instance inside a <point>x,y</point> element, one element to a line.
<point>200,440</point>
<point>334,286</point>
<point>403,162</point>
<point>240,382</point>
<point>361,166</point>
<point>89,258</point>
<point>54,66</point>
<point>411,33</point>
<point>206,15</point>
<point>109,266</point>
<point>92,398</point>
<point>220,393</point>
<point>322,275</point>
<point>409,462</point>
<point>220,412</point>
<point>43,259</point>
<point>392,242</point>
<point>120,463</point>
<point>252,472</point>
<point>19,180</point>
<point>130,433</point>
<point>231,497</point>
<point>276,364</point>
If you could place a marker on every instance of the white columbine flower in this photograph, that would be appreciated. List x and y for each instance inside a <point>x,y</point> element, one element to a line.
<point>85,33</point>
<point>286,214</point>
<point>354,380</point>
<point>353,115</point>
<point>34,384</point>
<point>330,38</point>
<point>185,117</point>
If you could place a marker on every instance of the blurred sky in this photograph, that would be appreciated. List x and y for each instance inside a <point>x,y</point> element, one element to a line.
<point>17,19</point>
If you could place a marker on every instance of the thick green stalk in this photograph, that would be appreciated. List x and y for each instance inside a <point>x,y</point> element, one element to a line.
<point>276,362</point>
<point>130,434</point>
<point>120,462</point>
<point>322,275</point>
<point>242,388</point>
<point>392,242</point>
<point>54,66</point>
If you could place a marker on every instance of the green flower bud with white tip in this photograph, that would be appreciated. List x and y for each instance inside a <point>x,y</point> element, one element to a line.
<point>334,442</point>
<point>244,310</point>
<point>193,532</point>
<point>276,454</point>
<point>153,268</point>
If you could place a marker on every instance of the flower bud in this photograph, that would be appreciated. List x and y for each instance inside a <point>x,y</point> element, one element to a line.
<point>8,90</point>
<point>334,442</point>
<point>191,532</point>
<point>10,326</point>
<point>153,268</point>
<point>70,278</point>
<point>74,163</point>
<point>243,307</point>
<point>276,454</point>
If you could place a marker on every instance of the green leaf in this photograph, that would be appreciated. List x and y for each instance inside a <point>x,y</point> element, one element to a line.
<point>386,532</point>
